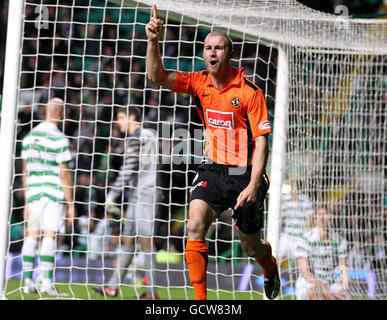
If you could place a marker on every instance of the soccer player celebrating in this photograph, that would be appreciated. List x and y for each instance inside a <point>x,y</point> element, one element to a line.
<point>138,171</point>
<point>234,114</point>
<point>48,183</point>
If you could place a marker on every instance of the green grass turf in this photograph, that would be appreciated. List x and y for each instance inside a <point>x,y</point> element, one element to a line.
<point>85,292</point>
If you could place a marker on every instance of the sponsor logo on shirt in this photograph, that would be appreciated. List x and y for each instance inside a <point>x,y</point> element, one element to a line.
<point>219,119</point>
<point>264,125</point>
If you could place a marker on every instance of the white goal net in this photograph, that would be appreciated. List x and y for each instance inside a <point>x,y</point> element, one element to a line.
<point>91,54</point>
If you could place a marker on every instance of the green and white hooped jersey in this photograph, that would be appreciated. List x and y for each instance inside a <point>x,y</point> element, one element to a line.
<point>295,213</point>
<point>323,257</point>
<point>44,148</point>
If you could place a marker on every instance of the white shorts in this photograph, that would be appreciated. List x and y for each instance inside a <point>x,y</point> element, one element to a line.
<point>140,214</point>
<point>302,286</point>
<point>45,214</point>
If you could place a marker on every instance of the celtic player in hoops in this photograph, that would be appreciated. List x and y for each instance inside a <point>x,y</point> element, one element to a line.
<point>319,252</point>
<point>48,192</point>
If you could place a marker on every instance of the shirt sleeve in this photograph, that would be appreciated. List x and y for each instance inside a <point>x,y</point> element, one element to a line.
<point>258,115</point>
<point>65,154</point>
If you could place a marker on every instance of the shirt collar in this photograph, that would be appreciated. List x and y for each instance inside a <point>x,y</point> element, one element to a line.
<point>236,82</point>
<point>50,124</point>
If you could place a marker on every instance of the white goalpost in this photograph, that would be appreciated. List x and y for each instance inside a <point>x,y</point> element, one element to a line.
<point>325,83</point>
<point>12,63</point>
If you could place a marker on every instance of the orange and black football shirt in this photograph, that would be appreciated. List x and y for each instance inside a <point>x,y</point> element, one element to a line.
<point>232,117</point>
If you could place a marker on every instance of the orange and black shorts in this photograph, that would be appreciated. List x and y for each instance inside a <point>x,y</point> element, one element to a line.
<point>220,185</point>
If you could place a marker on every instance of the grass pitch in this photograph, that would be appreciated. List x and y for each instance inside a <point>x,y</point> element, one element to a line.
<point>81,291</point>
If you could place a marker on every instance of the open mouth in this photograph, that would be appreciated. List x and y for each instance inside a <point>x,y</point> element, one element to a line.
<point>213,63</point>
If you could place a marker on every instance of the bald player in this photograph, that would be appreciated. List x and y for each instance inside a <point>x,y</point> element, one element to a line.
<point>234,114</point>
<point>48,190</point>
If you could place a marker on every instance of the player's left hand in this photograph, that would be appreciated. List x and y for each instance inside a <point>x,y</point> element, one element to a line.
<point>247,197</point>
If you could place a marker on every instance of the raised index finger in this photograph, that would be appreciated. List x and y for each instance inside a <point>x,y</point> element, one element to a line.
<point>154,10</point>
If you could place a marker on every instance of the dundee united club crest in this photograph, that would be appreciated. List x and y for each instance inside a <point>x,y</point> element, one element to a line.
<point>235,102</point>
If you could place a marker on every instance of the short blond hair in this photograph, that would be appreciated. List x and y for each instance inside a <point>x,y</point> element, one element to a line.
<point>229,44</point>
<point>52,107</point>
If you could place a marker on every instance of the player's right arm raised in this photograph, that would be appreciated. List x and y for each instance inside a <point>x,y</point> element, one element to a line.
<point>154,65</point>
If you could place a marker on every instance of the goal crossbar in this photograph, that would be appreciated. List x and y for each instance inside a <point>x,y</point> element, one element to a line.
<point>277,24</point>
